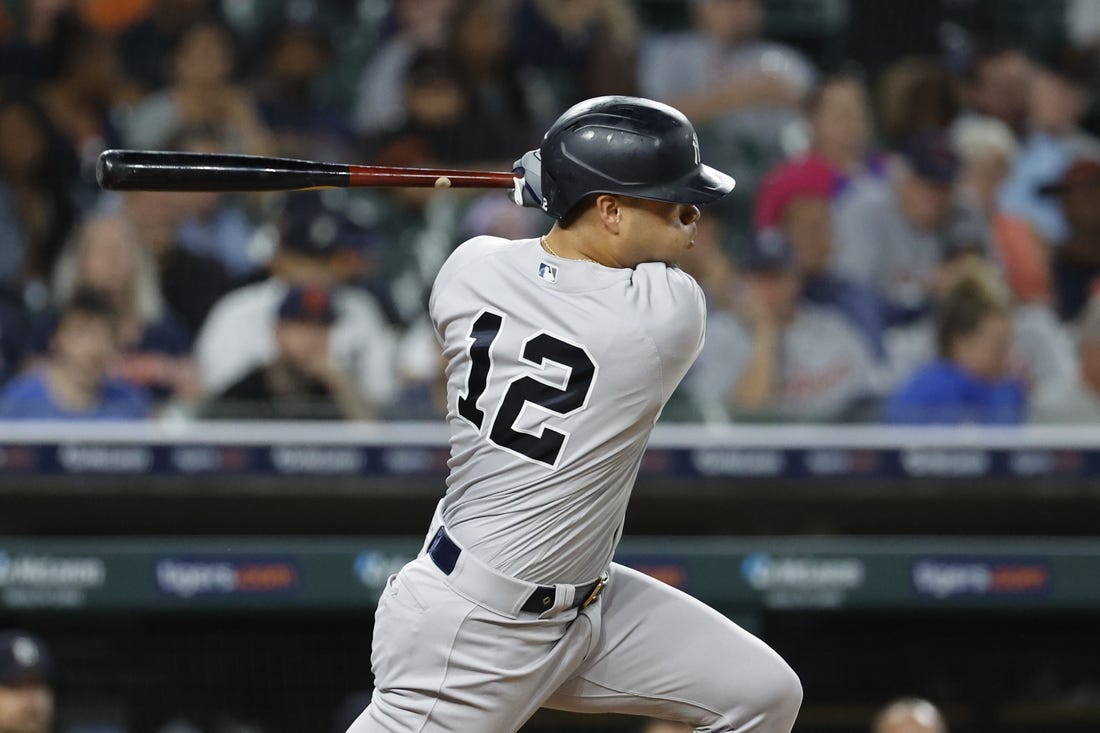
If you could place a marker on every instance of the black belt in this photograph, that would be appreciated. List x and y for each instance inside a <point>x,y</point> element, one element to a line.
<point>444,553</point>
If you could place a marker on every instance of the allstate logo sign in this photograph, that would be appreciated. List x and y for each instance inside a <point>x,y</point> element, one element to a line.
<point>803,582</point>
<point>48,581</point>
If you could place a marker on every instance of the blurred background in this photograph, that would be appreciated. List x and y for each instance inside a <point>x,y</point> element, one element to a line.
<point>221,416</point>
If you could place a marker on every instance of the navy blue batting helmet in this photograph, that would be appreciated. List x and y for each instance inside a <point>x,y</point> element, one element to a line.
<point>625,145</point>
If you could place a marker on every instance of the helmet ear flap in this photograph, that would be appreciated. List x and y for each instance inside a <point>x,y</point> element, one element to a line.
<point>552,195</point>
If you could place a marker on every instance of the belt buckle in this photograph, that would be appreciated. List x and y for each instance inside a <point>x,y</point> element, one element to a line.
<point>601,583</point>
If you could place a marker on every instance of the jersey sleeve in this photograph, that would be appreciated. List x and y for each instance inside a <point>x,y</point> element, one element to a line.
<point>672,313</point>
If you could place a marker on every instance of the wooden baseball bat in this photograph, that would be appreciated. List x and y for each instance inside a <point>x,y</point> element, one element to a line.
<point>154,170</point>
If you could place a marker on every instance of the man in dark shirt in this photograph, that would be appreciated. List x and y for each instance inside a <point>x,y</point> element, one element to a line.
<point>302,382</point>
<point>191,282</point>
<point>1077,262</point>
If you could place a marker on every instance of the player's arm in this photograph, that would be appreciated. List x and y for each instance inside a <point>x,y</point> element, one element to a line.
<point>673,313</point>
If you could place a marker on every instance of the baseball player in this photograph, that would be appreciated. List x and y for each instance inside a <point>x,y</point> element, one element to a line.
<point>561,352</point>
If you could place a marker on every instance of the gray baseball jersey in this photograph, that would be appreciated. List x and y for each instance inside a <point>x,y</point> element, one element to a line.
<point>557,370</point>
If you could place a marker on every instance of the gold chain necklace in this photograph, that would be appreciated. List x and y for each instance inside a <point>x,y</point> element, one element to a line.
<point>546,246</point>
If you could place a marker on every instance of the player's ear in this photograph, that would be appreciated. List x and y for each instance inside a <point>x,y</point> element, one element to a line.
<point>610,211</point>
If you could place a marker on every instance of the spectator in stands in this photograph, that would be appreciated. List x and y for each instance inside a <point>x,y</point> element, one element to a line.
<point>155,344</point>
<point>1077,261</point>
<point>840,128</point>
<point>1053,141</point>
<point>988,148</point>
<point>421,227</point>
<point>26,684</point>
<point>81,80</point>
<point>297,58</point>
<point>891,237</point>
<point>739,90</point>
<point>441,125</point>
<point>202,92</point>
<point>1075,398</point>
<point>497,89</point>
<point>1041,350</point>
<point>27,33</point>
<point>76,381</point>
<point>969,382</point>
<point>797,197</point>
<point>998,84</point>
<point>909,715</point>
<point>214,224</point>
<point>915,94</point>
<point>775,356</point>
<point>420,25</point>
<point>191,283</point>
<point>1083,24</point>
<point>318,247</point>
<point>36,211</point>
<point>111,17</point>
<point>583,49</point>
<point>302,381</point>
<point>146,46</point>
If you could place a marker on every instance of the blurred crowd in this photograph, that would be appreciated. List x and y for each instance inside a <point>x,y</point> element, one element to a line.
<point>918,243</point>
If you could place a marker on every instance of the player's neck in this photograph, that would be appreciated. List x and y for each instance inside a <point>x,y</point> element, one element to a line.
<point>575,244</point>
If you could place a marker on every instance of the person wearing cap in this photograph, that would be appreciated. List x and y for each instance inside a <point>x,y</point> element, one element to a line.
<point>26,691</point>
<point>318,248</point>
<point>1076,263</point>
<point>777,357</point>
<point>301,381</point>
<point>890,236</point>
<point>797,197</point>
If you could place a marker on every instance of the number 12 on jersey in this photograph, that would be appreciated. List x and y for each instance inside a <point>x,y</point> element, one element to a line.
<point>563,398</point>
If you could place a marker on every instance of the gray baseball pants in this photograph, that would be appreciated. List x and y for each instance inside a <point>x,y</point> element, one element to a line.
<point>455,654</point>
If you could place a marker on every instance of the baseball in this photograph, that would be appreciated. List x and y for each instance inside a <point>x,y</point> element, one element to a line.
<point>443,182</point>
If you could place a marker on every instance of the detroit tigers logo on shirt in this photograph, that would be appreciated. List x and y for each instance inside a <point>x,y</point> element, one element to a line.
<point>549,273</point>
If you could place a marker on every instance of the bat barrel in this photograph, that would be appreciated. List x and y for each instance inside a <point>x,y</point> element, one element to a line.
<point>140,170</point>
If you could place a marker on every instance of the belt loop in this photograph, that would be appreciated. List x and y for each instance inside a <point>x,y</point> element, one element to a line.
<point>563,600</point>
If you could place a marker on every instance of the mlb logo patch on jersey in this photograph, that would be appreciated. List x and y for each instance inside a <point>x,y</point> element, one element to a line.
<point>549,273</point>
